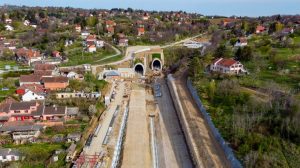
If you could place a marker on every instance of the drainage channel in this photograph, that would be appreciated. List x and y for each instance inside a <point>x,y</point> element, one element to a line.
<point>153,142</point>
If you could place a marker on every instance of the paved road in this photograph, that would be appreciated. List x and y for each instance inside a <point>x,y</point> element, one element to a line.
<point>181,41</point>
<point>136,152</point>
<point>174,148</point>
<point>96,145</point>
<point>210,152</point>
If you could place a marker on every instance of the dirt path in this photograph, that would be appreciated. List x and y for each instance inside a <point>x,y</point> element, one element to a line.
<point>211,153</point>
<point>137,145</point>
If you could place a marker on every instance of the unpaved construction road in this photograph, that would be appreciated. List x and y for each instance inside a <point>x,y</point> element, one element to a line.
<point>173,151</point>
<point>210,152</point>
<point>137,152</point>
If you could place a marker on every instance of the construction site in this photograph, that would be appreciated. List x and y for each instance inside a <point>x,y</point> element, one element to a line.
<point>151,120</point>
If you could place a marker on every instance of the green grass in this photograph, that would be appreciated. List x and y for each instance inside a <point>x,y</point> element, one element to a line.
<point>77,57</point>
<point>36,154</point>
<point>4,63</point>
<point>296,40</point>
<point>156,55</point>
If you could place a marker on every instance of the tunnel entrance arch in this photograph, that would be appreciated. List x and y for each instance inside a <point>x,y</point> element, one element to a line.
<point>156,64</point>
<point>139,69</point>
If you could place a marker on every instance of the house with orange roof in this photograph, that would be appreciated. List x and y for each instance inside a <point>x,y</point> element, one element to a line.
<point>260,29</point>
<point>28,55</point>
<point>227,66</point>
<point>141,31</point>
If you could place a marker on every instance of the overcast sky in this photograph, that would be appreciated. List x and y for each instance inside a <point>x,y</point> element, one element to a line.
<point>206,7</point>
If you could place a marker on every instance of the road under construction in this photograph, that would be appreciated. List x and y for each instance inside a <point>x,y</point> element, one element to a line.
<point>152,121</point>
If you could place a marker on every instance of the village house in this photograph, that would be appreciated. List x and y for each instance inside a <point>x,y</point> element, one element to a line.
<point>78,28</point>
<point>33,87</point>
<point>260,29</point>
<point>55,83</point>
<point>84,34</point>
<point>28,56</point>
<point>9,28</point>
<point>241,42</point>
<point>8,155</point>
<point>46,70</point>
<point>30,79</point>
<point>22,130</point>
<point>8,21</point>
<point>123,42</point>
<point>33,95</point>
<point>109,25</point>
<point>17,111</point>
<point>145,16</point>
<point>141,31</point>
<point>71,152</point>
<point>74,137</point>
<point>56,54</point>
<point>92,48</point>
<point>68,95</point>
<point>227,66</point>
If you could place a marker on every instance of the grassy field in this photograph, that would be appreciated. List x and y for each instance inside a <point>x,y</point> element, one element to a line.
<point>77,56</point>
<point>36,154</point>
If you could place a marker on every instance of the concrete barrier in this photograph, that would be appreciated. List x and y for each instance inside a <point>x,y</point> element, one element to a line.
<point>184,123</point>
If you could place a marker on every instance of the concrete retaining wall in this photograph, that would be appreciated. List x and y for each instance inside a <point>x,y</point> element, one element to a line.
<point>184,123</point>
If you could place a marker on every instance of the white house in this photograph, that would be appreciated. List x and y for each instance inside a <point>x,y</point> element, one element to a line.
<point>227,66</point>
<point>30,96</point>
<point>241,42</point>
<point>84,34</point>
<point>92,48</point>
<point>9,28</point>
<point>26,23</point>
<point>8,155</point>
<point>99,43</point>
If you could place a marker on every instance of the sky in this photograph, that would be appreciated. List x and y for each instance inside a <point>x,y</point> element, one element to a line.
<point>206,7</point>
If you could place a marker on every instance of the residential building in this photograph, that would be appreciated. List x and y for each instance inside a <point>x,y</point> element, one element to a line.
<point>33,87</point>
<point>9,28</point>
<point>92,48</point>
<point>241,42</point>
<point>55,83</point>
<point>8,155</point>
<point>78,28</point>
<point>56,54</point>
<point>33,95</point>
<point>74,137</point>
<point>260,29</point>
<point>30,79</point>
<point>28,55</point>
<point>68,95</point>
<point>123,42</point>
<point>141,31</point>
<point>227,66</point>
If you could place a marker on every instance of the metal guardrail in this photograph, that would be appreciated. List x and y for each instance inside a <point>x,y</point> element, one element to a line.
<point>235,163</point>
<point>118,147</point>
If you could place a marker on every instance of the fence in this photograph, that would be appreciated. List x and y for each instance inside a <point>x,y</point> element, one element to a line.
<point>118,147</point>
<point>228,151</point>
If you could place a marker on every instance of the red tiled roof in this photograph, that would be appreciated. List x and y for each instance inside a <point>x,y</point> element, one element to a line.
<point>30,78</point>
<point>28,53</point>
<point>227,62</point>
<point>44,67</point>
<point>260,28</point>
<point>110,29</point>
<point>58,79</point>
<point>36,88</point>
<point>110,22</point>
<point>141,29</point>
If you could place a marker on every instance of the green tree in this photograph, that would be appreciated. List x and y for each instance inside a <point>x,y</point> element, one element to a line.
<point>92,21</point>
<point>221,51</point>
<point>244,54</point>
